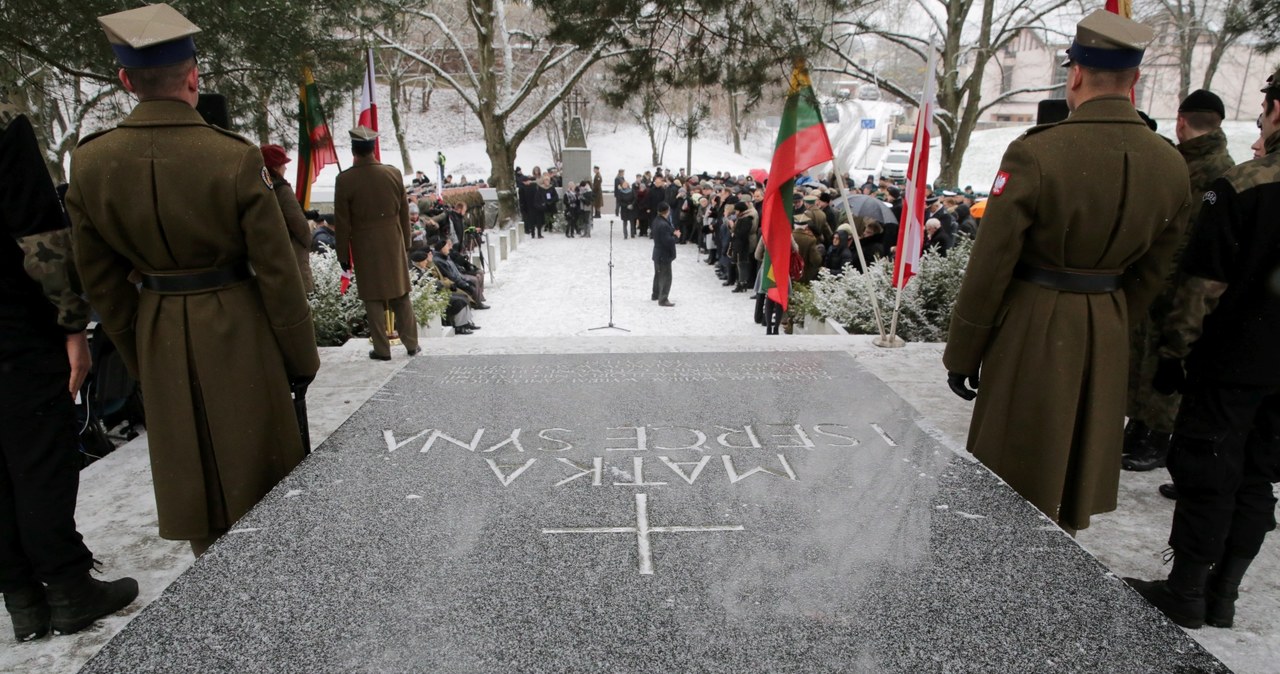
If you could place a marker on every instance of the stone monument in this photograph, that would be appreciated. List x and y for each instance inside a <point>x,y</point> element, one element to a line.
<point>575,156</point>
<point>732,512</point>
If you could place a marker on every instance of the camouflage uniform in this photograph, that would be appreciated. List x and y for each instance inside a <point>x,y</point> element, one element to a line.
<point>1207,159</point>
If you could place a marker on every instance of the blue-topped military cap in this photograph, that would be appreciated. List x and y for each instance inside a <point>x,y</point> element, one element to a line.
<point>1108,41</point>
<point>150,36</point>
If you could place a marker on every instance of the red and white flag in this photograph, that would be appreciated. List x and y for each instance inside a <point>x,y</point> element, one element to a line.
<point>911,228</point>
<point>369,105</point>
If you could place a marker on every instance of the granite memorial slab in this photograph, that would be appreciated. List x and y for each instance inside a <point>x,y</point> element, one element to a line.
<point>713,512</point>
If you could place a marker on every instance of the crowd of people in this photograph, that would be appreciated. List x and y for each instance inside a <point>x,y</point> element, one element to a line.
<point>720,214</point>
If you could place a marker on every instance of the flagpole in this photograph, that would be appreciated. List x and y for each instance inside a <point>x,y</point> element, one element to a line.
<point>862,258</point>
<point>893,323</point>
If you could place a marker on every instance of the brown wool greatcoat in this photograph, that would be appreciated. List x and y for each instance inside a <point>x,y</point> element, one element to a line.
<point>299,230</point>
<point>166,193</point>
<point>1097,193</point>
<point>372,221</point>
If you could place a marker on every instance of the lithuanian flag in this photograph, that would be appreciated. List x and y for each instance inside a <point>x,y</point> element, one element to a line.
<point>315,143</point>
<point>802,144</point>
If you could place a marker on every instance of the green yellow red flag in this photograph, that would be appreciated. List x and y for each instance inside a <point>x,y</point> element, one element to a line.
<point>802,144</point>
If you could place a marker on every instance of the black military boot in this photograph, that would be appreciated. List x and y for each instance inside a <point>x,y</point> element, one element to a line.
<point>1169,491</point>
<point>1181,596</point>
<point>75,604</point>
<point>29,611</point>
<point>1135,435</point>
<point>1150,456</point>
<point>1223,590</point>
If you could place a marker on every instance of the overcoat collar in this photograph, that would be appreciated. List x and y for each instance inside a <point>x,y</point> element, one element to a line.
<point>1109,109</point>
<point>163,112</point>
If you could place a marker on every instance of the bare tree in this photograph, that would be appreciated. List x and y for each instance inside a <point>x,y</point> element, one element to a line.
<point>1183,25</point>
<point>965,34</point>
<point>500,71</point>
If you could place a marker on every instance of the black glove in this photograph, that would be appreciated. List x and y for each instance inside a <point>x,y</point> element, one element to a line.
<point>956,382</point>
<point>1169,376</point>
<point>300,382</point>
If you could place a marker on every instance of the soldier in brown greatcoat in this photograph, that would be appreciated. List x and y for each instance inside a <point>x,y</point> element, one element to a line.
<point>372,226</point>
<point>1080,230</point>
<point>221,327</point>
<point>299,231</point>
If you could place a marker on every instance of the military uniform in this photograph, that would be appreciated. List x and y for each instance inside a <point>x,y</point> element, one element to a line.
<point>221,325</point>
<point>372,227</point>
<point>1079,232</point>
<point>1225,452</point>
<point>299,230</point>
<point>39,464</point>
<point>1148,409</point>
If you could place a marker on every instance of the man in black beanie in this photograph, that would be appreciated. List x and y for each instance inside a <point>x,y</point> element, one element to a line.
<point>1203,146</point>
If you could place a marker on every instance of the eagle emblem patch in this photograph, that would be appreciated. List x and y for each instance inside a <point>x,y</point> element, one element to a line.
<point>997,188</point>
<point>266,179</point>
<point>1210,197</point>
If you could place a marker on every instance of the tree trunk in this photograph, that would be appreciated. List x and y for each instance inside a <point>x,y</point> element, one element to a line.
<point>503,173</point>
<point>393,85</point>
<point>733,123</point>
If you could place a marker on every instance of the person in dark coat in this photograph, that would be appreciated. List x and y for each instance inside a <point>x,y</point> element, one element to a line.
<point>299,231</point>
<point>625,198</point>
<point>597,196</point>
<point>44,358</point>
<point>936,237</point>
<point>741,247</point>
<point>841,255</point>
<point>457,312</point>
<point>1218,348</point>
<point>323,238</point>
<point>656,198</point>
<point>664,253</point>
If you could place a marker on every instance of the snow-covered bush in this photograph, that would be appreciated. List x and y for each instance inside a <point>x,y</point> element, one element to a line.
<point>340,317</point>
<point>428,301</point>
<point>336,316</point>
<point>926,301</point>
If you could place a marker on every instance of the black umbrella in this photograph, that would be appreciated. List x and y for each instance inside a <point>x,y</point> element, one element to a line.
<point>866,206</point>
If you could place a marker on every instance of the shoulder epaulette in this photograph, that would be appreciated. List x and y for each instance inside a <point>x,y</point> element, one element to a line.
<point>92,136</point>
<point>232,134</point>
<point>1038,128</point>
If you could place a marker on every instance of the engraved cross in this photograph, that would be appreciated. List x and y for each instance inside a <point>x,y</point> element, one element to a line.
<point>642,530</point>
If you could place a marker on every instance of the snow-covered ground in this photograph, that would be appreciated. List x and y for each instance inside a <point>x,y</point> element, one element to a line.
<point>557,286</point>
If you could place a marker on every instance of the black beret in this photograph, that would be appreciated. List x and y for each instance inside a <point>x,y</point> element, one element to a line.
<point>740,206</point>
<point>1203,100</point>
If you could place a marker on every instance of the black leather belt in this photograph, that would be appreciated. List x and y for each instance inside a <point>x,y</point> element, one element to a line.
<point>197,282</point>
<point>1067,281</point>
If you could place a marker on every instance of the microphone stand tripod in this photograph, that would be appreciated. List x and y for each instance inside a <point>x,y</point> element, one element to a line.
<point>611,326</point>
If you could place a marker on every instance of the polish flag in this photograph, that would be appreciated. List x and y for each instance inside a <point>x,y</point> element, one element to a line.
<point>369,106</point>
<point>911,229</point>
